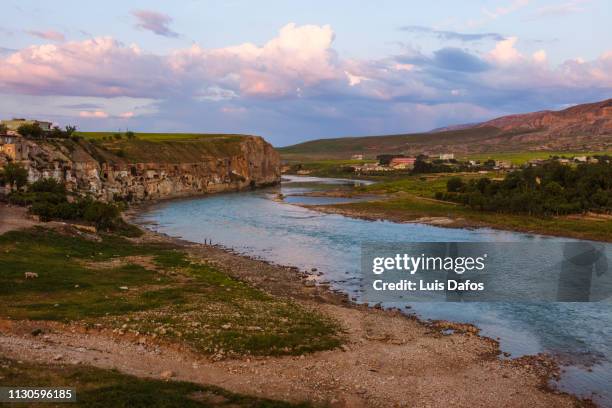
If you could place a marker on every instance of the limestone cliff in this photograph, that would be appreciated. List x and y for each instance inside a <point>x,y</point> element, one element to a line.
<point>137,170</point>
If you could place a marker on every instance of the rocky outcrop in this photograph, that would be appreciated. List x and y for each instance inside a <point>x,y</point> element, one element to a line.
<point>242,162</point>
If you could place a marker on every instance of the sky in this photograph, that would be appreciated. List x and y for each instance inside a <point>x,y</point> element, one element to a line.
<point>293,71</point>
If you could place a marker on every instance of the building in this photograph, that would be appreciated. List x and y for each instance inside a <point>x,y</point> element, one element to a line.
<point>447,156</point>
<point>357,157</point>
<point>13,124</point>
<point>580,159</point>
<point>402,162</point>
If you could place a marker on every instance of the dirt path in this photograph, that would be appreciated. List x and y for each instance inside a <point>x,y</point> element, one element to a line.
<point>13,218</point>
<point>389,361</point>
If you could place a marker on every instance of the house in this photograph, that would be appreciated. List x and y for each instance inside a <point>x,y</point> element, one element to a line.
<point>500,164</point>
<point>447,156</point>
<point>402,162</point>
<point>357,157</point>
<point>580,159</point>
<point>13,124</point>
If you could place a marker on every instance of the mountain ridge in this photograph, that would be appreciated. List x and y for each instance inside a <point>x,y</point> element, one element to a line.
<point>577,128</point>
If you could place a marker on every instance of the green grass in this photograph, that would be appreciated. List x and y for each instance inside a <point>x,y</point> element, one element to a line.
<point>160,137</point>
<point>409,207</point>
<point>343,148</point>
<point>164,147</point>
<point>519,158</point>
<point>97,388</point>
<point>167,296</point>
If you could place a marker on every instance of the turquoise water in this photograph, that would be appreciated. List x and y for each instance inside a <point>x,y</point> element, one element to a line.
<point>255,224</point>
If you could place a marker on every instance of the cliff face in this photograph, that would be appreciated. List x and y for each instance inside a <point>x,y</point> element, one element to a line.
<point>156,170</point>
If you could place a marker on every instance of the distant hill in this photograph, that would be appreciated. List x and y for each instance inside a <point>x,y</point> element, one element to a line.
<point>586,127</point>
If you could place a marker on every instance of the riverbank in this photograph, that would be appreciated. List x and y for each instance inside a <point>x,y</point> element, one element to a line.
<point>408,208</point>
<point>380,352</point>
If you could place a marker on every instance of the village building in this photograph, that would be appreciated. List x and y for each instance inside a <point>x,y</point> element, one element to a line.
<point>357,157</point>
<point>447,156</point>
<point>13,124</point>
<point>580,159</point>
<point>402,162</point>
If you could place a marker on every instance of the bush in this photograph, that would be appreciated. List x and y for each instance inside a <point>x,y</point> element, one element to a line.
<point>552,189</point>
<point>30,130</point>
<point>454,184</point>
<point>14,175</point>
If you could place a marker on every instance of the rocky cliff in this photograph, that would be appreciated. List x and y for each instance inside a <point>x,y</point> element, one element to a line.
<point>137,170</point>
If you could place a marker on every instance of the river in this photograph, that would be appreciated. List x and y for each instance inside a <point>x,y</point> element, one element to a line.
<point>257,224</point>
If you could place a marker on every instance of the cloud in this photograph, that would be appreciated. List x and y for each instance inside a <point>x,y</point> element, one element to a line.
<point>455,59</point>
<point>505,52</point>
<point>155,22</point>
<point>562,9</point>
<point>51,35</point>
<point>501,11</point>
<point>95,67</point>
<point>93,114</point>
<point>293,84</point>
<point>452,35</point>
<point>6,51</point>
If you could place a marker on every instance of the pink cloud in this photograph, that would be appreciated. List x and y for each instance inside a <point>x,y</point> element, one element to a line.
<point>154,22</point>
<point>51,35</point>
<point>93,114</point>
<point>126,115</point>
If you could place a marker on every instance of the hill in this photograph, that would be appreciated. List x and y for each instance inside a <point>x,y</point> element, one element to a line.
<point>586,127</point>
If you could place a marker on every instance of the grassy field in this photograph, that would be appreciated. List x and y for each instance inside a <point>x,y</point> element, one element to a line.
<point>109,388</point>
<point>159,137</point>
<point>424,185</point>
<point>343,148</point>
<point>523,157</point>
<point>152,290</point>
<point>410,207</point>
<point>165,147</point>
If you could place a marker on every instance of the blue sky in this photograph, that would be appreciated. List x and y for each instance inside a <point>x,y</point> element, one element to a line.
<point>293,71</point>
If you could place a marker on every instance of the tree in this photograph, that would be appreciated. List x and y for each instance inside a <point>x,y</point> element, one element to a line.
<point>15,175</point>
<point>30,130</point>
<point>130,135</point>
<point>454,184</point>
<point>70,129</point>
<point>3,128</point>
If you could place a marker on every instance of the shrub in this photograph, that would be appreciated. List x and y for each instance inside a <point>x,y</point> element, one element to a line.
<point>15,175</point>
<point>454,184</point>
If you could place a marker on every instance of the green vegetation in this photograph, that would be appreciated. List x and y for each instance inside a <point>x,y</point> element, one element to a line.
<point>152,290</point>
<point>48,199</point>
<point>330,168</point>
<point>551,189</point>
<point>424,186</point>
<point>156,137</point>
<point>163,147</point>
<point>408,207</point>
<point>108,388</point>
<point>342,148</point>
<point>520,158</point>
<point>14,174</point>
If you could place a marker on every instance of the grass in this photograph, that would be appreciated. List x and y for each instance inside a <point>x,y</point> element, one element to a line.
<point>160,137</point>
<point>332,168</point>
<point>343,148</point>
<point>410,207</point>
<point>152,290</point>
<point>109,388</point>
<point>165,147</point>
<point>523,157</point>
